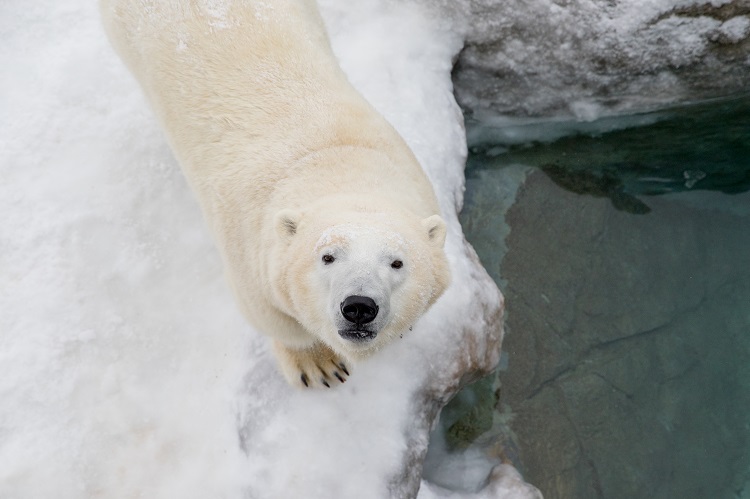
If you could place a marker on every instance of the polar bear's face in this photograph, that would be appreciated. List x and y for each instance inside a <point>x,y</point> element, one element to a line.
<point>357,285</point>
<point>361,270</point>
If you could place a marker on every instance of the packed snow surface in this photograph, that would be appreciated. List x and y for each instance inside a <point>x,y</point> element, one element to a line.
<point>127,369</point>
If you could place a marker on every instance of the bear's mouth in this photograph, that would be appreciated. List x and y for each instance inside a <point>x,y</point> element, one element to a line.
<point>357,335</point>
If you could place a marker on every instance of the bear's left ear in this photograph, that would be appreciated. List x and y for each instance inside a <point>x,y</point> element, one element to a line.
<point>435,227</point>
<point>286,222</point>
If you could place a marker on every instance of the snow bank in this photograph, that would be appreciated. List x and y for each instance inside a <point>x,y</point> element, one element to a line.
<point>127,369</point>
<point>119,344</point>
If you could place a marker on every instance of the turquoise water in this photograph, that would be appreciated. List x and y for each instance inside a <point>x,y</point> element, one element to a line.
<point>624,256</point>
<point>697,147</point>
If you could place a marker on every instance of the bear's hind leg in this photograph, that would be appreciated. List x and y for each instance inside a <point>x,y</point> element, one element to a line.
<point>316,366</point>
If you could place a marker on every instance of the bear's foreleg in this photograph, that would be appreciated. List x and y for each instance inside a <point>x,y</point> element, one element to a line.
<point>313,367</point>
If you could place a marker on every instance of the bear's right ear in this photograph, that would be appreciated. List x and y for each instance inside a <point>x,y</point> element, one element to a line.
<point>436,230</point>
<point>286,223</point>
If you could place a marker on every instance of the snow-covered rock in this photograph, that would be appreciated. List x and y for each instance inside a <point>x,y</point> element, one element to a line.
<point>584,59</point>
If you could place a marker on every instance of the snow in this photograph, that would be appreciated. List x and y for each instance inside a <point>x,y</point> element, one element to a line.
<point>127,369</point>
<point>505,481</point>
<point>734,30</point>
<point>498,131</point>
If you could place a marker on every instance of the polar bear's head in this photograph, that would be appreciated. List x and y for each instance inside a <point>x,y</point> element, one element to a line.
<point>358,281</point>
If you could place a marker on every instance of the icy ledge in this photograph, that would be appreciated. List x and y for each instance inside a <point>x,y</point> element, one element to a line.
<point>127,369</point>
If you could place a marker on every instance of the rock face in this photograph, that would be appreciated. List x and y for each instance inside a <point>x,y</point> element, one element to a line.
<point>628,339</point>
<point>582,59</point>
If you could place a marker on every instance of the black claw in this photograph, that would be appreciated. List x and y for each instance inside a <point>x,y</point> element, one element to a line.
<point>338,376</point>
<point>325,382</point>
<point>304,379</point>
<point>343,368</point>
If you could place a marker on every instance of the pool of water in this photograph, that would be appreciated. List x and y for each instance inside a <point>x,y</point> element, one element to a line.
<point>624,255</point>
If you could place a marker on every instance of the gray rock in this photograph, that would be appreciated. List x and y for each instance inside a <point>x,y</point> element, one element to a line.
<point>585,59</point>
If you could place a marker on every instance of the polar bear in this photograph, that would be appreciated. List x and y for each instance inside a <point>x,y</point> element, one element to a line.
<point>329,229</point>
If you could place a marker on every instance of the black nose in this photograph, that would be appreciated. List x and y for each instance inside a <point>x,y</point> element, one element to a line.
<point>359,309</point>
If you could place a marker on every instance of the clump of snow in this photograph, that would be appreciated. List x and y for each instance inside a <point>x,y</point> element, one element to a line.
<point>504,482</point>
<point>127,370</point>
<point>733,30</point>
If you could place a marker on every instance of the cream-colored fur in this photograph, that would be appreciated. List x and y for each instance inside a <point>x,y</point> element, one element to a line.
<point>289,163</point>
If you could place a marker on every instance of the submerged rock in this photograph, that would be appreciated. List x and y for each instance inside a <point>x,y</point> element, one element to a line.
<point>605,185</point>
<point>628,343</point>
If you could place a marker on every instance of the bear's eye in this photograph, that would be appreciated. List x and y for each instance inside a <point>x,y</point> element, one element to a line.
<point>328,259</point>
<point>397,264</point>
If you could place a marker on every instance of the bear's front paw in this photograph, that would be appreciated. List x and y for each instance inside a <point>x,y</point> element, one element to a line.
<point>314,367</point>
